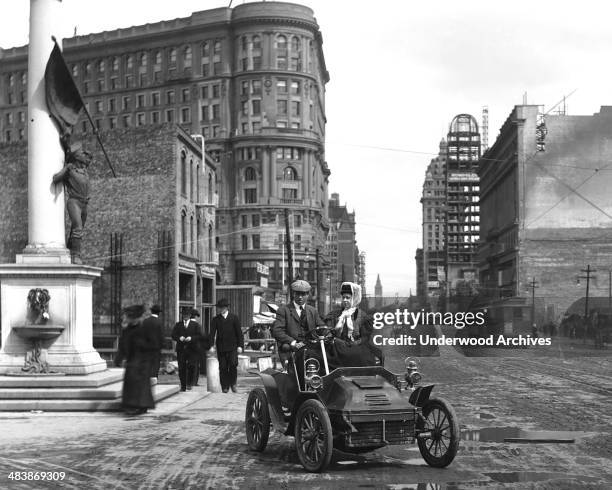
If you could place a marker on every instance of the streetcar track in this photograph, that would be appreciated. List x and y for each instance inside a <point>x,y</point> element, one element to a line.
<point>581,381</point>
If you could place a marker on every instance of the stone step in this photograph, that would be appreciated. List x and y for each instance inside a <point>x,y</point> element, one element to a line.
<point>93,380</point>
<point>160,392</point>
<point>106,392</point>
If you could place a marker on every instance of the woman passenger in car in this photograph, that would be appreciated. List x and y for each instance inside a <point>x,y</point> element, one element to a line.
<point>353,327</point>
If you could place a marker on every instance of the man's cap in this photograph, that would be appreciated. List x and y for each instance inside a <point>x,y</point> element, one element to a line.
<point>223,302</point>
<point>155,309</point>
<point>77,154</point>
<point>133,312</point>
<point>300,286</point>
<point>194,312</point>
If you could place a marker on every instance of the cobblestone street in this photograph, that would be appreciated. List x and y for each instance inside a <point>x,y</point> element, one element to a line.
<point>202,444</point>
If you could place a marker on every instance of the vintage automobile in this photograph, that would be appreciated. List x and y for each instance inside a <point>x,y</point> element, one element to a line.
<point>353,409</point>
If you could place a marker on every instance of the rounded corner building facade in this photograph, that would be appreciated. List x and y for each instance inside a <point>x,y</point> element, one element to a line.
<point>249,79</point>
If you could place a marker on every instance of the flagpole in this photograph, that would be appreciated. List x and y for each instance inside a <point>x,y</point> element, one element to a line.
<point>95,130</point>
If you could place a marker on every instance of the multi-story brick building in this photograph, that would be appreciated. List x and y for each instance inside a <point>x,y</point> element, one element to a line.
<point>251,80</point>
<point>151,229</point>
<point>546,213</point>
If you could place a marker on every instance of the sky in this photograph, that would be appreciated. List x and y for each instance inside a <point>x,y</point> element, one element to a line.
<point>399,72</point>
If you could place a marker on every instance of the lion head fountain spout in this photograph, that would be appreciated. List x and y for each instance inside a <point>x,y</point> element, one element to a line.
<point>38,306</point>
<point>38,329</point>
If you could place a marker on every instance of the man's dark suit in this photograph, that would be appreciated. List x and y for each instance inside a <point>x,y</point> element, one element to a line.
<point>154,325</point>
<point>187,353</point>
<point>226,334</point>
<point>289,326</point>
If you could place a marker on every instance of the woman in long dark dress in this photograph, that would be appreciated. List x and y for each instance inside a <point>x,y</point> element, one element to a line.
<point>354,328</point>
<point>138,347</point>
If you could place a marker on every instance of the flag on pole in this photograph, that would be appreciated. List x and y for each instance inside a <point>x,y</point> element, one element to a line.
<point>63,98</point>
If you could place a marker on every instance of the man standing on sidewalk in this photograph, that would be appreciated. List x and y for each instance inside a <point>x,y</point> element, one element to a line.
<point>186,333</point>
<point>154,324</point>
<point>226,334</point>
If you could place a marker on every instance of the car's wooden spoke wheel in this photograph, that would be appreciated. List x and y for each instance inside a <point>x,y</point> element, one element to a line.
<point>257,420</point>
<point>440,447</point>
<point>313,436</point>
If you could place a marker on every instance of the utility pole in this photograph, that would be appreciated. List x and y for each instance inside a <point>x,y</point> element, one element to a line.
<point>588,272</point>
<point>609,290</point>
<point>289,251</point>
<point>318,281</point>
<point>533,285</point>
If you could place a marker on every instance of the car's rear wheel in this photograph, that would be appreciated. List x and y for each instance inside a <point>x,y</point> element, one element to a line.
<point>257,420</point>
<point>440,446</point>
<point>313,436</point>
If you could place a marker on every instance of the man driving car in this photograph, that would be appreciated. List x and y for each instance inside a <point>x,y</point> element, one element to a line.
<point>294,320</point>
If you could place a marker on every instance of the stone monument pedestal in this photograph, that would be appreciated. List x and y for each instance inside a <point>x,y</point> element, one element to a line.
<point>70,307</point>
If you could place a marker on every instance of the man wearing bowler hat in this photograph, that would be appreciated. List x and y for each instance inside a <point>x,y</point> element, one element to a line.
<point>186,333</point>
<point>294,320</point>
<point>226,335</point>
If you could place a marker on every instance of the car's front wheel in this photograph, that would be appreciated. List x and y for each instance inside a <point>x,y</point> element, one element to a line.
<point>313,436</point>
<point>257,420</point>
<point>439,438</point>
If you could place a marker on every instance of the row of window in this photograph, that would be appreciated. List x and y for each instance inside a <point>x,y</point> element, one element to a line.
<point>143,59</point>
<point>289,173</point>
<point>189,185</point>
<point>288,196</point>
<point>193,238</point>
<point>246,270</point>
<point>255,220</point>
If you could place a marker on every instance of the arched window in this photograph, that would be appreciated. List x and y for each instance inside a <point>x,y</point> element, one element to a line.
<point>183,173</point>
<point>249,174</point>
<point>172,56</point>
<point>187,56</point>
<point>205,49</point>
<point>129,61</point>
<point>115,64</point>
<point>75,70</point>
<point>281,42</point>
<point>210,189</point>
<point>100,66</point>
<point>192,241</point>
<point>142,59</point>
<point>217,47</point>
<point>210,243</point>
<point>191,179</point>
<point>244,43</point>
<point>256,42</point>
<point>197,189</point>
<point>295,44</point>
<point>200,240</point>
<point>183,231</point>
<point>158,58</point>
<point>289,174</point>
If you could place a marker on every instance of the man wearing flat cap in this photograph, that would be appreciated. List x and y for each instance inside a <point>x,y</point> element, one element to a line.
<point>226,335</point>
<point>187,334</point>
<point>294,320</point>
